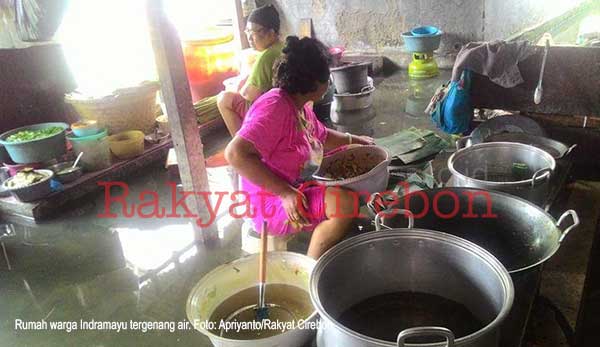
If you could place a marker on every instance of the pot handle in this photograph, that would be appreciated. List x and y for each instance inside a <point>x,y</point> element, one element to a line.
<point>376,203</point>
<point>540,176</point>
<point>463,142</point>
<point>366,88</point>
<point>393,211</point>
<point>564,216</point>
<point>569,150</point>
<point>427,331</point>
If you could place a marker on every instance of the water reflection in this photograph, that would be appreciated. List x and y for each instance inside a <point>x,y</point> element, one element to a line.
<point>358,122</point>
<point>419,95</point>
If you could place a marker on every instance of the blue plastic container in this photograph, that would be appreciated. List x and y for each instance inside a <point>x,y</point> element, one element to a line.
<point>421,44</point>
<point>426,30</point>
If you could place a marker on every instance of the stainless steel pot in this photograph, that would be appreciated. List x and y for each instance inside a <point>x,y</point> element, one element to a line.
<point>352,102</point>
<point>490,166</point>
<point>521,235</point>
<point>557,149</point>
<point>350,77</point>
<point>414,260</point>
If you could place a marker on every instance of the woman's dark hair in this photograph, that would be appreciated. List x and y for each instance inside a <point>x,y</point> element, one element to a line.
<point>267,16</point>
<point>304,62</point>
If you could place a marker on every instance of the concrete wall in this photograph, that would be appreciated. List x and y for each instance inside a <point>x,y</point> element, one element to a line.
<point>504,18</point>
<point>376,25</point>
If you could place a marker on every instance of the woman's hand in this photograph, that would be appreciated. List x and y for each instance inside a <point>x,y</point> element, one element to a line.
<point>363,140</point>
<point>294,202</point>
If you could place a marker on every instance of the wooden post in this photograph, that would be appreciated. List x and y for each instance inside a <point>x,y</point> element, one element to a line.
<point>182,117</point>
<point>239,25</point>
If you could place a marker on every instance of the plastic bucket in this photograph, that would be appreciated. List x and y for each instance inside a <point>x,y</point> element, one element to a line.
<point>95,148</point>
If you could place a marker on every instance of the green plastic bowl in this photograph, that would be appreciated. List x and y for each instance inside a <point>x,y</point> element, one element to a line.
<point>35,151</point>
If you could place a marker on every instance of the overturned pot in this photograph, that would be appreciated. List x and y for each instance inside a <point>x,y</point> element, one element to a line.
<point>350,77</point>
<point>393,261</point>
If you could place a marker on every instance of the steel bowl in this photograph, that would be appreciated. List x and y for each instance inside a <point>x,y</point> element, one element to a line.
<point>375,180</point>
<point>68,175</point>
<point>32,192</point>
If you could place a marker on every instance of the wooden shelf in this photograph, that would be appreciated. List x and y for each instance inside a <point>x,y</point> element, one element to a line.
<point>52,204</point>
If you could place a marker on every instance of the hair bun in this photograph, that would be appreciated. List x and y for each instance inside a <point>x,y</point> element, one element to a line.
<point>292,44</point>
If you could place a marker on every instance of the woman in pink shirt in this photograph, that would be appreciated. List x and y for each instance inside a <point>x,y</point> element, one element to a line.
<point>281,144</point>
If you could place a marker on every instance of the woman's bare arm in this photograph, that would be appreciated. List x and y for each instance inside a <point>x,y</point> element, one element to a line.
<point>336,139</point>
<point>244,157</point>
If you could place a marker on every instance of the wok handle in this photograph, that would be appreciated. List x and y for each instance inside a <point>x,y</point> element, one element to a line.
<point>392,212</point>
<point>562,218</point>
<point>426,331</point>
<point>569,150</point>
<point>462,142</point>
<point>540,176</point>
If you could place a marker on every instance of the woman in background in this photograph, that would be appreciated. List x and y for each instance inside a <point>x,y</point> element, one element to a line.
<point>281,144</point>
<point>262,31</point>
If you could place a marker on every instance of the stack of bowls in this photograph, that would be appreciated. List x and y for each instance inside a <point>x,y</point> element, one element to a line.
<point>88,138</point>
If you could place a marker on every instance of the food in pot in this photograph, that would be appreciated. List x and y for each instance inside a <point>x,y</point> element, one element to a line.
<point>350,166</point>
<point>384,316</point>
<point>292,298</point>
<point>24,178</point>
<point>29,135</point>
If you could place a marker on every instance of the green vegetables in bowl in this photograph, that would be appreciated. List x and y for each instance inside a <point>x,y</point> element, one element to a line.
<point>30,135</point>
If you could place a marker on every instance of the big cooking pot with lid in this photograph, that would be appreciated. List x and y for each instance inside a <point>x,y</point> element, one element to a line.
<point>514,168</point>
<point>411,260</point>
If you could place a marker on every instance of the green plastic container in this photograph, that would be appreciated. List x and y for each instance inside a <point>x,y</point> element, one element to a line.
<point>36,151</point>
<point>96,150</point>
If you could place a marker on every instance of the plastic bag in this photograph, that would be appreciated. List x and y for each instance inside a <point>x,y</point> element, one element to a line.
<point>452,110</point>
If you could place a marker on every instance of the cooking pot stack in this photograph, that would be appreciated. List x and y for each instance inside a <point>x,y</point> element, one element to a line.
<point>351,109</point>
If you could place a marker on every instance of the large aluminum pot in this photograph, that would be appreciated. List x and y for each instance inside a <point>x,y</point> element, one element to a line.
<point>521,235</point>
<point>355,101</point>
<point>492,166</point>
<point>410,260</point>
<point>555,148</point>
<point>231,278</point>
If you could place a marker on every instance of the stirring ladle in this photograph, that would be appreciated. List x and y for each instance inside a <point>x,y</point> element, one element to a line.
<point>262,310</point>
<point>77,160</point>
<point>537,96</point>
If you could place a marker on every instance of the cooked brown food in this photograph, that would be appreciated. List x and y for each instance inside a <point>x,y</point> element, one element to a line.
<point>350,166</point>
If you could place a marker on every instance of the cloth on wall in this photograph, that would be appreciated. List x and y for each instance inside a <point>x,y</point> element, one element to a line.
<point>498,60</point>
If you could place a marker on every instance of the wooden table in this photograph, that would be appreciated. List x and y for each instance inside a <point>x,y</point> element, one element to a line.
<point>53,204</point>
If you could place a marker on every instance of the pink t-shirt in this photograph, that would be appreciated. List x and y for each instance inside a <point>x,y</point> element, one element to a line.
<point>290,142</point>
